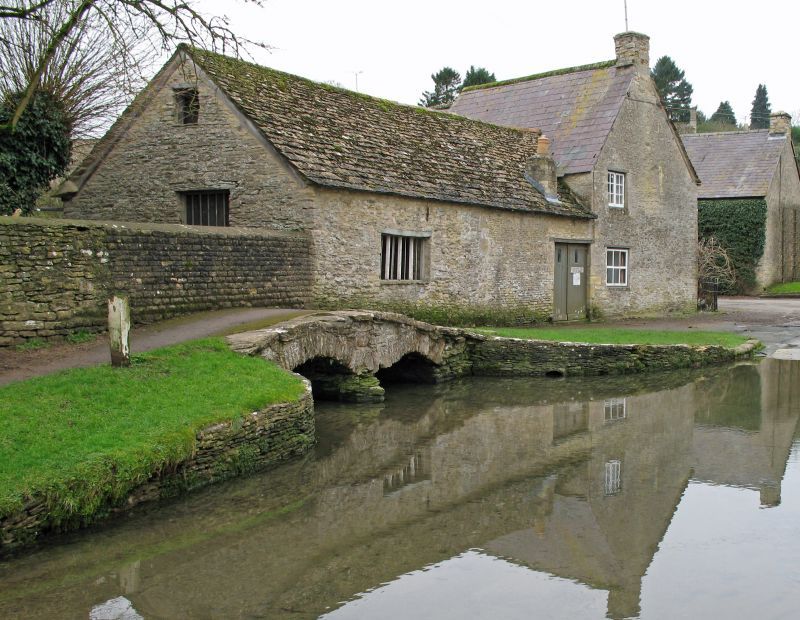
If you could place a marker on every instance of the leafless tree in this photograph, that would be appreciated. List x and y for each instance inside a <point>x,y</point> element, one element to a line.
<point>54,43</point>
<point>715,270</point>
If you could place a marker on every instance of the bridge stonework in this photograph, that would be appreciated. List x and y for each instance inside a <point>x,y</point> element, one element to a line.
<point>348,355</point>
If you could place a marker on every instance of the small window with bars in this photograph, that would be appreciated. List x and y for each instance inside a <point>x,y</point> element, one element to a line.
<point>613,481</point>
<point>401,257</point>
<point>616,267</point>
<point>207,208</point>
<point>616,190</point>
<point>187,105</point>
<point>614,409</point>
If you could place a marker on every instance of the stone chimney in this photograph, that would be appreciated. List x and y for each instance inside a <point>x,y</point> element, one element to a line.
<point>691,126</point>
<point>541,168</point>
<point>633,49</point>
<point>780,123</point>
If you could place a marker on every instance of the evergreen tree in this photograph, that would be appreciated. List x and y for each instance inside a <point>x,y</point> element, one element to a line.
<point>724,115</point>
<point>446,85</point>
<point>759,113</point>
<point>33,153</point>
<point>477,76</point>
<point>674,90</point>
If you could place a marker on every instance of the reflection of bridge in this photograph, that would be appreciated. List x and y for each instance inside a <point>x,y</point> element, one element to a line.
<point>580,485</point>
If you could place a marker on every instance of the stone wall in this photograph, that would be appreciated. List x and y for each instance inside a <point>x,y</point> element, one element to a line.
<point>153,157</point>
<point>658,225</point>
<point>476,257</point>
<point>368,344</point>
<point>259,440</point>
<point>510,357</point>
<point>55,275</point>
<point>781,259</point>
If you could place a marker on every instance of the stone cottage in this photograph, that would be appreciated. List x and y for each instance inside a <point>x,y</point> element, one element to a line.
<point>405,208</point>
<point>615,147</point>
<point>752,177</point>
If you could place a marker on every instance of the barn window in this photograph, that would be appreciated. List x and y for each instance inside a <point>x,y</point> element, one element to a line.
<point>207,208</point>
<point>187,105</point>
<point>402,257</point>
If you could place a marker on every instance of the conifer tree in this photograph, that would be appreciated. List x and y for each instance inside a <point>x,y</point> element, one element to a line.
<point>675,91</point>
<point>446,83</point>
<point>759,113</point>
<point>475,76</point>
<point>724,115</point>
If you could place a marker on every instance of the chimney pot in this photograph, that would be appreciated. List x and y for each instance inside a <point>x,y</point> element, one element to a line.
<point>780,123</point>
<point>632,48</point>
<point>543,146</point>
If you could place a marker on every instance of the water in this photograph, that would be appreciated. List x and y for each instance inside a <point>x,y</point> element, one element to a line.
<point>669,496</point>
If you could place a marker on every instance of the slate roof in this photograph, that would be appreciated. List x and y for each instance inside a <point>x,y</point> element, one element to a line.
<point>734,164</point>
<point>575,108</point>
<point>339,138</point>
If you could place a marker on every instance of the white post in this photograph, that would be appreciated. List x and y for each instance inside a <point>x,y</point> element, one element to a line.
<point>119,327</point>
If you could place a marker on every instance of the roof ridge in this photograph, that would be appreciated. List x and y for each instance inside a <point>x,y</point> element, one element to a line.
<point>605,64</point>
<point>379,101</point>
<point>723,133</point>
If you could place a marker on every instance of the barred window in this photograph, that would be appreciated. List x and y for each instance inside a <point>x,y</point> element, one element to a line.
<point>187,105</point>
<point>616,267</point>
<point>401,257</point>
<point>207,208</point>
<point>616,189</point>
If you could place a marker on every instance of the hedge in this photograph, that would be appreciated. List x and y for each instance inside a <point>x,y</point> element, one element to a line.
<point>739,225</point>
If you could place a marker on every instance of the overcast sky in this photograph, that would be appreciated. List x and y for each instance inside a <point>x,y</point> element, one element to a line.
<point>725,48</point>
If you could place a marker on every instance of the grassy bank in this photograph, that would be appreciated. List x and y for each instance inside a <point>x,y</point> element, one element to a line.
<point>78,436</point>
<point>785,288</point>
<point>615,335</point>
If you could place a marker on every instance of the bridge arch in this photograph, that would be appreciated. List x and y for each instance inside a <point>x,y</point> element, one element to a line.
<point>347,355</point>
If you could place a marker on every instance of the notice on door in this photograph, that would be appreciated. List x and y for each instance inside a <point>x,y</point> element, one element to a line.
<point>576,278</point>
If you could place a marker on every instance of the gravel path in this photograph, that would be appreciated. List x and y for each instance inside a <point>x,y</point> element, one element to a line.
<point>17,365</point>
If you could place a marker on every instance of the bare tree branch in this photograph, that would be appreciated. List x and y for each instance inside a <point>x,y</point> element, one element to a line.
<point>131,26</point>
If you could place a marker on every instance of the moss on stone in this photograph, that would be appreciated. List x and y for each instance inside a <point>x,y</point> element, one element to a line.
<point>606,64</point>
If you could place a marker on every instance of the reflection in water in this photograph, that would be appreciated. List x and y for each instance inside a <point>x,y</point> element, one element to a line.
<point>511,498</point>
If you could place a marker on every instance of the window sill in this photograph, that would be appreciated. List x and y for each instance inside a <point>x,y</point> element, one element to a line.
<point>401,282</point>
<point>618,287</point>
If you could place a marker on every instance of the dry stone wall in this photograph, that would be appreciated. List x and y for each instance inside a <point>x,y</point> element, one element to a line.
<point>254,442</point>
<point>55,275</point>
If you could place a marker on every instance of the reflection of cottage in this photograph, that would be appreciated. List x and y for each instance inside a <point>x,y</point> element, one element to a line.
<point>405,206</point>
<point>752,175</point>
<point>614,147</point>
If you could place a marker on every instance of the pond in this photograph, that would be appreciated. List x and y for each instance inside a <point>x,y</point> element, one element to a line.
<point>661,496</point>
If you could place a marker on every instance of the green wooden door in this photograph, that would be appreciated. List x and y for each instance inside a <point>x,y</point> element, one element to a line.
<point>569,287</point>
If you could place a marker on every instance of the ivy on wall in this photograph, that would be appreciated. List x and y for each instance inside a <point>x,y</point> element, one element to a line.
<point>739,224</point>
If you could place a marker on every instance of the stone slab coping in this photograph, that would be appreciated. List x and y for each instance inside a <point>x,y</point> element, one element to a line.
<point>211,231</point>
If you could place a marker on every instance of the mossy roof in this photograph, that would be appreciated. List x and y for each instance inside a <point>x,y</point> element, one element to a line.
<point>574,107</point>
<point>338,138</point>
<point>734,164</point>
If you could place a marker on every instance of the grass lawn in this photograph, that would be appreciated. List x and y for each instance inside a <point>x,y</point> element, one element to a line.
<point>617,335</point>
<point>81,434</point>
<point>784,287</point>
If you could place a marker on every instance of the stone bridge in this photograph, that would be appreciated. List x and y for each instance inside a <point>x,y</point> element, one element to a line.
<point>351,355</point>
<point>348,355</point>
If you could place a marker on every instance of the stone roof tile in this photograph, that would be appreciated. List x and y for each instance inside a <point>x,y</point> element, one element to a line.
<point>734,164</point>
<point>575,108</point>
<point>339,138</point>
